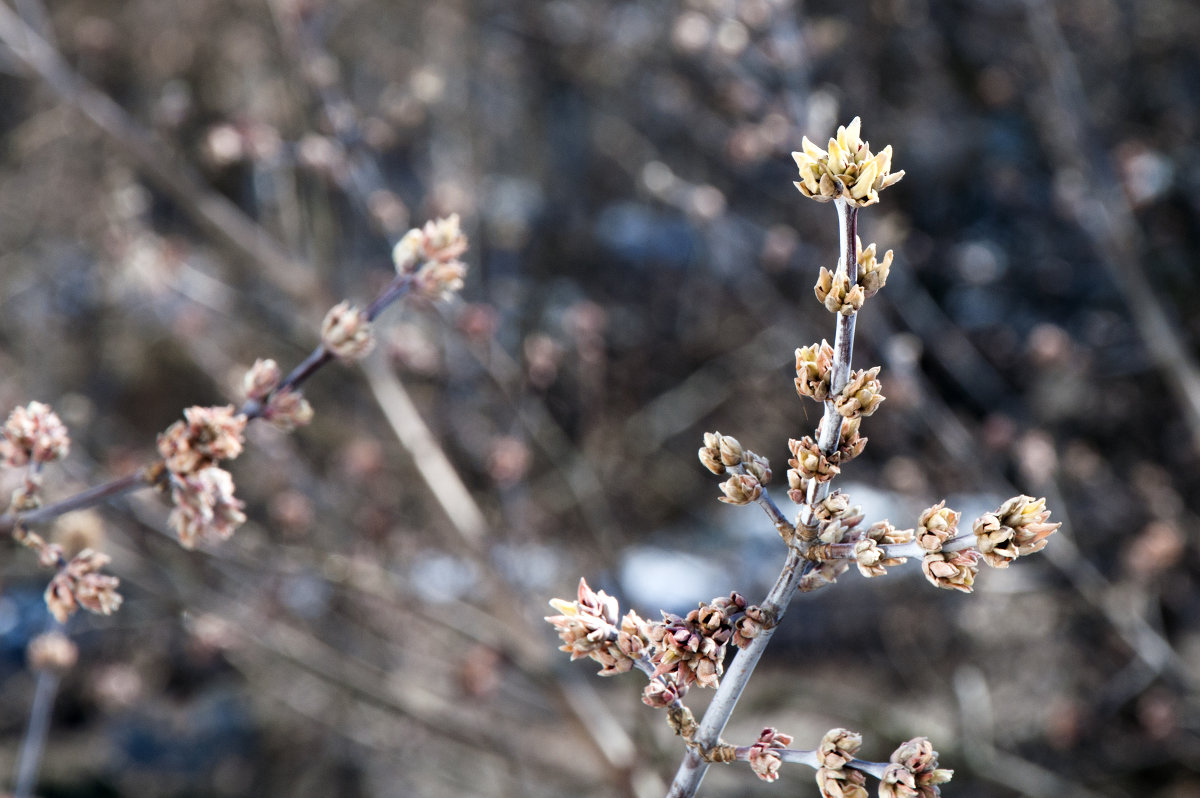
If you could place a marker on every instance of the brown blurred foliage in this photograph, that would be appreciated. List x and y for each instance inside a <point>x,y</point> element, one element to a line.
<point>641,272</point>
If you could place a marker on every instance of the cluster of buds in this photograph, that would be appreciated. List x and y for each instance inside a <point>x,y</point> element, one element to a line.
<point>589,627</point>
<point>872,273</point>
<point>913,772</point>
<point>955,570</point>
<point>437,246</point>
<point>1018,528</point>
<point>346,332</point>
<point>692,647</point>
<point>837,749</point>
<point>748,471</point>
<point>837,518</point>
<point>664,691</point>
<point>861,396</point>
<point>79,583</point>
<point>763,755</point>
<point>201,491</point>
<point>838,294</point>
<point>848,170</point>
<point>867,552</point>
<point>935,526</point>
<point>285,409</point>
<point>33,433</point>
<point>814,365</point>
<point>808,463</point>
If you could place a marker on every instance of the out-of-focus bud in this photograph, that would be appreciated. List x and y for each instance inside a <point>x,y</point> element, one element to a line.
<point>52,651</point>
<point>261,379</point>
<point>346,332</point>
<point>33,432</point>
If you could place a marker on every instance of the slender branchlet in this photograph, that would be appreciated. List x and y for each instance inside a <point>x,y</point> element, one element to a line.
<point>828,534</point>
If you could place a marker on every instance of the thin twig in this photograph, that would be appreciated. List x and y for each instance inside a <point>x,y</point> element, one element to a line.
<point>34,744</point>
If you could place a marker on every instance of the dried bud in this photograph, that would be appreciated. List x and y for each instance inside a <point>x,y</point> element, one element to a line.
<point>814,364</point>
<point>763,755</point>
<point>936,525</point>
<point>848,170</point>
<point>861,395</point>
<point>1018,528</point>
<point>954,570</point>
<point>36,433</point>
<point>741,489</point>
<point>810,461</point>
<point>346,332</point>
<point>872,274</point>
<point>204,506</point>
<point>261,379</point>
<point>833,290</point>
<point>52,651</point>
<point>288,409</point>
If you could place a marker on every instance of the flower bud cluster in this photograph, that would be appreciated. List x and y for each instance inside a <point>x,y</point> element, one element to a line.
<point>834,290</point>
<point>814,365</point>
<point>913,772</point>
<point>867,552</point>
<point>838,748</point>
<point>692,647</point>
<point>588,627</point>
<point>936,525</point>
<point>846,170</point>
<point>861,396</point>
<point>438,245</point>
<point>346,332</point>
<point>201,491</point>
<point>954,570</point>
<point>33,433</point>
<point>286,409</point>
<point>748,471</point>
<point>664,691</point>
<point>1018,528</point>
<point>764,756</point>
<point>872,273</point>
<point>838,518</point>
<point>809,462</point>
<point>79,583</point>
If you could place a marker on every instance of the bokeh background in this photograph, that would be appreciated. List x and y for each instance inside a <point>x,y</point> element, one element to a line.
<point>186,186</point>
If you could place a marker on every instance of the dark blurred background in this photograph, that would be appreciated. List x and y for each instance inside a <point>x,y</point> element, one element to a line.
<point>641,272</point>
